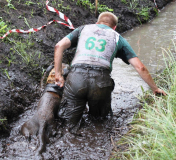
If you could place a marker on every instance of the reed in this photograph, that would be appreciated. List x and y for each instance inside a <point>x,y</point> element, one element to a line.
<point>153,130</point>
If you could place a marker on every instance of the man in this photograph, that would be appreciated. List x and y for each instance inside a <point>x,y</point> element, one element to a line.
<point>89,79</point>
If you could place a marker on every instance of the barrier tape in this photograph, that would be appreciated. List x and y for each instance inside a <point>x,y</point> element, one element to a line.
<point>32,30</point>
<point>156,5</point>
<point>61,15</point>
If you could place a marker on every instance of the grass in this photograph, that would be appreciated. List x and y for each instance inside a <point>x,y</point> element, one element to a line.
<point>144,13</point>
<point>3,26</point>
<point>91,6</point>
<point>10,5</point>
<point>26,52</point>
<point>153,130</point>
<point>133,4</point>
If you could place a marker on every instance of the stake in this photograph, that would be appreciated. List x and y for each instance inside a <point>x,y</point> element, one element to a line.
<point>96,4</point>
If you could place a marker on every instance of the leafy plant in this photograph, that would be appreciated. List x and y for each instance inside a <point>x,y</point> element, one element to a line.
<point>3,26</point>
<point>124,1</point>
<point>10,5</point>
<point>29,3</point>
<point>133,4</point>
<point>144,13</point>
<point>88,4</point>
<point>6,73</point>
<point>103,8</point>
<point>3,120</point>
<point>26,22</point>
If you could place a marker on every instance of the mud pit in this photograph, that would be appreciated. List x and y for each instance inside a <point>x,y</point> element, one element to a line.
<point>20,92</point>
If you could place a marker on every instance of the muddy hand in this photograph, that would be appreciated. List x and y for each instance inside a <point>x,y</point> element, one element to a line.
<point>159,91</point>
<point>59,81</point>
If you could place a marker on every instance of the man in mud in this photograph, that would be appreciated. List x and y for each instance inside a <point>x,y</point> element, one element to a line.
<point>89,79</point>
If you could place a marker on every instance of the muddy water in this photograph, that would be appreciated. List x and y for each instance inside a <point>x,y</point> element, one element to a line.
<point>147,41</point>
<point>96,138</point>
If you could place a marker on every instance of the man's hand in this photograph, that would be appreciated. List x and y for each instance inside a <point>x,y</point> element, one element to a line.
<point>159,91</point>
<point>58,54</point>
<point>59,80</point>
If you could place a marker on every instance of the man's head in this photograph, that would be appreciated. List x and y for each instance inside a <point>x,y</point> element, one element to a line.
<point>108,19</point>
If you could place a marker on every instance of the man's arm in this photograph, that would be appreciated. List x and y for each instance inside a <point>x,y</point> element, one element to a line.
<point>145,75</point>
<point>58,54</point>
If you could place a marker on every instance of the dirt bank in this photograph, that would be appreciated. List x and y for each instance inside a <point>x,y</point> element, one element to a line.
<point>24,58</point>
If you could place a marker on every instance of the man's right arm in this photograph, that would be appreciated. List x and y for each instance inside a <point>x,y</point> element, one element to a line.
<point>58,54</point>
<point>145,75</point>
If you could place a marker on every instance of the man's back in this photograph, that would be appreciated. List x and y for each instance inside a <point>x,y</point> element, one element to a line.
<point>97,45</point>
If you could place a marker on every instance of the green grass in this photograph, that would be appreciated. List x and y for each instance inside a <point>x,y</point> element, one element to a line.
<point>3,27</point>
<point>91,6</point>
<point>144,13</point>
<point>153,130</point>
<point>3,120</point>
<point>10,5</point>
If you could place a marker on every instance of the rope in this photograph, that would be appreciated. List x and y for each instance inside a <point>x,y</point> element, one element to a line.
<point>156,5</point>
<point>32,30</point>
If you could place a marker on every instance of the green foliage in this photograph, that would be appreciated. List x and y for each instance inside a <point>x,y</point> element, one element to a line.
<point>124,1</point>
<point>103,8</point>
<point>29,3</point>
<point>3,26</point>
<point>62,8</point>
<point>88,4</point>
<point>9,5</point>
<point>6,73</point>
<point>28,57</point>
<point>26,22</point>
<point>2,120</point>
<point>133,4</point>
<point>154,127</point>
<point>156,11</point>
<point>144,13</point>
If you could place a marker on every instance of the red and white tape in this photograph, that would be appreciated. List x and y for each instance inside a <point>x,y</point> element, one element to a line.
<point>156,5</point>
<point>61,15</point>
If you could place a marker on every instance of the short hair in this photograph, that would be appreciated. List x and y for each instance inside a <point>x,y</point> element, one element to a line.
<point>108,17</point>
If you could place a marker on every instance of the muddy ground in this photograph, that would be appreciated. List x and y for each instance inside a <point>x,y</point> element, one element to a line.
<point>20,77</point>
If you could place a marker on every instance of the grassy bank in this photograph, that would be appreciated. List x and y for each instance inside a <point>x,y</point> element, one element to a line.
<point>153,130</point>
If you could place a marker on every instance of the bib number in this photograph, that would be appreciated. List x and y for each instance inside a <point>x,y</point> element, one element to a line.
<point>90,44</point>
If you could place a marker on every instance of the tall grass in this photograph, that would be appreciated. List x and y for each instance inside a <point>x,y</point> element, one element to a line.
<point>153,132</point>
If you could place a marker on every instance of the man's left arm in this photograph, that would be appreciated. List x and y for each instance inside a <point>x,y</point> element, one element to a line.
<point>58,54</point>
<point>145,75</point>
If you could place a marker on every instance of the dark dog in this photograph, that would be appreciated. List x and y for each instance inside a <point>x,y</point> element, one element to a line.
<point>41,123</point>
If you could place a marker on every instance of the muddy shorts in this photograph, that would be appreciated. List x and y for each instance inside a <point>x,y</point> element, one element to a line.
<point>92,85</point>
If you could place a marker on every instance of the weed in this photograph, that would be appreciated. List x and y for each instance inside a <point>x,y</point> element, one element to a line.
<point>153,129</point>
<point>144,13</point>
<point>133,4</point>
<point>32,12</point>
<point>9,5</point>
<point>9,61</point>
<point>20,16</point>
<point>87,4</point>
<point>103,8</point>
<point>26,22</point>
<point>3,120</point>
<point>29,3</point>
<point>124,1</point>
<point>6,73</point>
<point>3,26</point>
<point>156,11</point>
<point>62,8</point>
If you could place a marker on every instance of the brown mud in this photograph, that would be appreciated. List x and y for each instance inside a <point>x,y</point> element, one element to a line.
<point>20,80</point>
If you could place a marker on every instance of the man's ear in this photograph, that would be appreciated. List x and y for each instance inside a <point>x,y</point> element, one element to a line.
<point>114,27</point>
